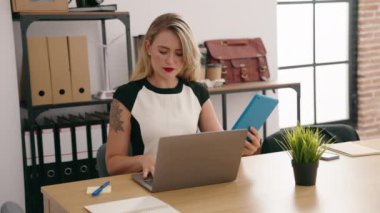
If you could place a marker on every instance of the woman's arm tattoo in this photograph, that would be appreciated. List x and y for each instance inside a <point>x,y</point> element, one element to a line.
<point>115,119</point>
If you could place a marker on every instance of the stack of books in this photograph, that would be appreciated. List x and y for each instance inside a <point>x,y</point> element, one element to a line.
<point>100,8</point>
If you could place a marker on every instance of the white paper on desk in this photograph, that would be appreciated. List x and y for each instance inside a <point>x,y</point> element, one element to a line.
<point>138,204</point>
<point>353,149</point>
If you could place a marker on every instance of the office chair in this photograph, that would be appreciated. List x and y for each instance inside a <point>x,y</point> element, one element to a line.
<point>11,207</point>
<point>101,161</point>
<point>339,132</point>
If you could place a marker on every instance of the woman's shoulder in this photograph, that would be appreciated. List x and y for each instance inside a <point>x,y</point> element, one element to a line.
<point>132,86</point>
<point>199,89</point>
<point>192,83</point>
<point>196,85</point>
<point>127,93</point>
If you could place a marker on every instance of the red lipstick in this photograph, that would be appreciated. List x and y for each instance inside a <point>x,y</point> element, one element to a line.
<point>168,69</point>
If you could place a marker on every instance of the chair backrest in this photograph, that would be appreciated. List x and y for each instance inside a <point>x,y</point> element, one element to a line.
<point>11,207</point>
<point>339,132</point>
<point>101,161</point>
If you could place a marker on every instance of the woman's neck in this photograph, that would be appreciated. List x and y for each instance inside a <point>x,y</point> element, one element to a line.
<point>163,83</point>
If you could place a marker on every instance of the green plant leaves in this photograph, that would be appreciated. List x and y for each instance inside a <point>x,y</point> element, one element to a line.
<point>304,145</point>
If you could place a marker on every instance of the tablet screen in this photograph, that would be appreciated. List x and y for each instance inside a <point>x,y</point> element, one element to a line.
<point>256,112</point>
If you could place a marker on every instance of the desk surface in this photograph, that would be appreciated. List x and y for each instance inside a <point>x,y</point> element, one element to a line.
<point>264,184</point>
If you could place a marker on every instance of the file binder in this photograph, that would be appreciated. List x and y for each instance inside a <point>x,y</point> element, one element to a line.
<point>40,152</point>
<point>56,175</point>
<point>39,71</point>
<point>104,116</point>
<point>81,161</point>
<point>96,132</point>
<point>59,69</point>
<point>65,139</point>
<point>31,152</point>
<point>49,169</point>
<point>74,144</point>
<point>94,139</point>
<point>63,150</point>
<point>68,149</point>
<point>29,170</point>
<point>97,139</point>
<point>80,135</point>
<point>33,169</point>
<point>48,145</point>
<point>79,68</point>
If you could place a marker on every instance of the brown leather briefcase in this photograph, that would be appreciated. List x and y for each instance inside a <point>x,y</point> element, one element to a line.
<point>242,60</point>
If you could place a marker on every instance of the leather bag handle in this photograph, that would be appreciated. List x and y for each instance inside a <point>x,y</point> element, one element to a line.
<point>235,42</point>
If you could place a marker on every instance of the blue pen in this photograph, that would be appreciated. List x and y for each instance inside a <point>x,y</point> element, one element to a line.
<point>100,189</point>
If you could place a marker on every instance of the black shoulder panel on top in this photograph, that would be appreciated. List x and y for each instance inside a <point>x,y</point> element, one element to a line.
<point>199,90</point>
<point>127,93</point>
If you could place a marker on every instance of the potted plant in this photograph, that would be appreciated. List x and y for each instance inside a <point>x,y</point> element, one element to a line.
<point>305,146</point>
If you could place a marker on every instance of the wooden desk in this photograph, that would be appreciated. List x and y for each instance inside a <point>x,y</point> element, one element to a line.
<point>265,184</point>
<point>254,86</point>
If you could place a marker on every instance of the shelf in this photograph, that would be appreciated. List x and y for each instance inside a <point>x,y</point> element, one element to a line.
<point>27,18</point>
<point>35,111</point>
<point>67,16</point>
<point>63,105</point>
<point>34,173</point>
<point>252,86</point>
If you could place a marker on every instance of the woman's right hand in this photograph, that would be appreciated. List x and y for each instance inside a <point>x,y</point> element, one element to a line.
<point>148,162</point>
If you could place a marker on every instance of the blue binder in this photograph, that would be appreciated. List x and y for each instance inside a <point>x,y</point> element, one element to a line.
<point>256,113</point>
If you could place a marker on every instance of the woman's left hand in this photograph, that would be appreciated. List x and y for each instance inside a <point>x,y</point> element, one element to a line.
<point>254,146</point>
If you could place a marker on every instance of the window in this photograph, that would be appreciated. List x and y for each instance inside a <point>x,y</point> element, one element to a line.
<point>317,47</point>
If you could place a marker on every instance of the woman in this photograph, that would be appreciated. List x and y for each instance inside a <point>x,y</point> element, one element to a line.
<point>162,99</point>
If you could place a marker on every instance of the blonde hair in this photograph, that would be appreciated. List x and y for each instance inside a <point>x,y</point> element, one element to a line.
<point>190,50</point>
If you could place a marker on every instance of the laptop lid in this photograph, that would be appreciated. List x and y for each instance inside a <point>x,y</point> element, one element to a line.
<point>196,160</point>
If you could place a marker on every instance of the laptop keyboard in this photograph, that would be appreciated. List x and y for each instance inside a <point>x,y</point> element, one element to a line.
<point>149,180</point>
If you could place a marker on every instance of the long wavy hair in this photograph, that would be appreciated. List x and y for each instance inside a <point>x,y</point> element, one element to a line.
<point>191,54</point>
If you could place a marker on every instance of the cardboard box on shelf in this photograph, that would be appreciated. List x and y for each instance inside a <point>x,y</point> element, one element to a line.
<point>40,5</point>
<point>60,69</point>
<point>79,68</point>
<point>39,71</point>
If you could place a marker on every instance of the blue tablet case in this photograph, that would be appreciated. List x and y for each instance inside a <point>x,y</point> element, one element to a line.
<point>256,113</point>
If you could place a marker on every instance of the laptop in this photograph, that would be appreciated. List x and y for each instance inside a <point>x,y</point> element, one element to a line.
<point>195,160</point>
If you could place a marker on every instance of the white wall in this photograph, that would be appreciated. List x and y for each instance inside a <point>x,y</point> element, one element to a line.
<point>209,19</point>
<point>11,181</point>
